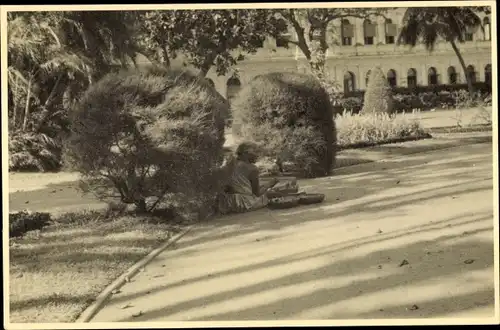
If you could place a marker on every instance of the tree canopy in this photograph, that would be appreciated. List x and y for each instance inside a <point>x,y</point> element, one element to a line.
<point>207,38</point>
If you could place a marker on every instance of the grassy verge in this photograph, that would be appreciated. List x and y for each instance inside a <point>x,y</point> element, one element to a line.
<point>57,272</point>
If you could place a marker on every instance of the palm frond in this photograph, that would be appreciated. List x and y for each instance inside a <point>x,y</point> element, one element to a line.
<point>428,25</point>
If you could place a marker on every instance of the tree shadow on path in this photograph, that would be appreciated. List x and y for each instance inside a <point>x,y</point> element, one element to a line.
<point>430,262</point>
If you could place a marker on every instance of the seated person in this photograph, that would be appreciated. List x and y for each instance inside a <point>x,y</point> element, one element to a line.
<point>243,191</point>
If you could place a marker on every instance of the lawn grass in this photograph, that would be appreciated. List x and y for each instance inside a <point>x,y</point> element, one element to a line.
<point>57,272</point>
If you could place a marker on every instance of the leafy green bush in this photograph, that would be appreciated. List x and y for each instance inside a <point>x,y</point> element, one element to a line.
<point>351,104</point>
<point>290,116</point>
<point>30,151</point>
<point>25,221</point>
<point>378,95</point>
<point>354,129</point>
<point>149,132</point>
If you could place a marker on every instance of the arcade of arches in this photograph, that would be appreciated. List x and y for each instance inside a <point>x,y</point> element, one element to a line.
<point>433,77</point>
<point>450,76</point>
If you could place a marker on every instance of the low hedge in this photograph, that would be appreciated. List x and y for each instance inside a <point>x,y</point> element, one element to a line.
<point>404,102</point>
<point>25,221</point>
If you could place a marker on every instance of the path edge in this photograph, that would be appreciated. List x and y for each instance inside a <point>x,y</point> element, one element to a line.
<point>98,303</point>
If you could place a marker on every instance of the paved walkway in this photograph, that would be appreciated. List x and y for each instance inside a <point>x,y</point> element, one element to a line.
<point>411,237</point>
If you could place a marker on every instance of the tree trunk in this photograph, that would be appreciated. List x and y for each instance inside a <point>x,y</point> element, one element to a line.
<point>140,205</point>
<point>27,106</point>
<point>166,57</point>
<point>14,102</point>
<point>318,53</point>
<point>462,63</point>
<point>299,30</point>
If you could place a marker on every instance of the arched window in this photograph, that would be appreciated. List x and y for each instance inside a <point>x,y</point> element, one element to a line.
<point>369,30</point>
<point>390,31</point>
<point>452,75</point>
<point>411,78</point>
<point>471,73</point>
<point>211,82</point>
<point>391,78</point>
<point>487,28</point>
<point>233,87</point>
<point>432,77</point>
<point>487,74</point>
<point>347,32</point>
<point>367,77</point>
<point>349,82</point>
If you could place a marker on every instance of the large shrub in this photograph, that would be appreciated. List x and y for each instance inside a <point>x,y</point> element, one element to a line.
<point>291,117</point>
<point>378,95</point>
<point>149,132</point>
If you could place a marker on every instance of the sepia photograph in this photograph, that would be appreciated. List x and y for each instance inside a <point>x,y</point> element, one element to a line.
<point>249,164</point>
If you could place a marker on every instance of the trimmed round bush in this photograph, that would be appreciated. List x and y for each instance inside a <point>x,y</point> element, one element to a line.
<point>291,117</point>
<point>378,95</point>
<point>149,132</point>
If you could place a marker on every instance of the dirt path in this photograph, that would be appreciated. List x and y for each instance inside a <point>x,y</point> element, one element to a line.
<point>411,237</point>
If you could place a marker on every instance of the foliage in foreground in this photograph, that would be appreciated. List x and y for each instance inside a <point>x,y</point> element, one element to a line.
<point>149,132</point>
<point>57,272</point>
<point>24,221</point>
<point>29,151</point>
<point>290,116</point>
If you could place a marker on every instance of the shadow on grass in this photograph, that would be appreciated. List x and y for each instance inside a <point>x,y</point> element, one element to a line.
<point>53,299</point>
<point>81,259</point>
<point>78,254</point>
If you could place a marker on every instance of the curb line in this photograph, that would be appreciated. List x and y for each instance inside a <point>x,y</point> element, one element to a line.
<point>92,310</point>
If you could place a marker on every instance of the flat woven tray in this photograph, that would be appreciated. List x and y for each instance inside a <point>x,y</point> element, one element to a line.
<point>284,202</point>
